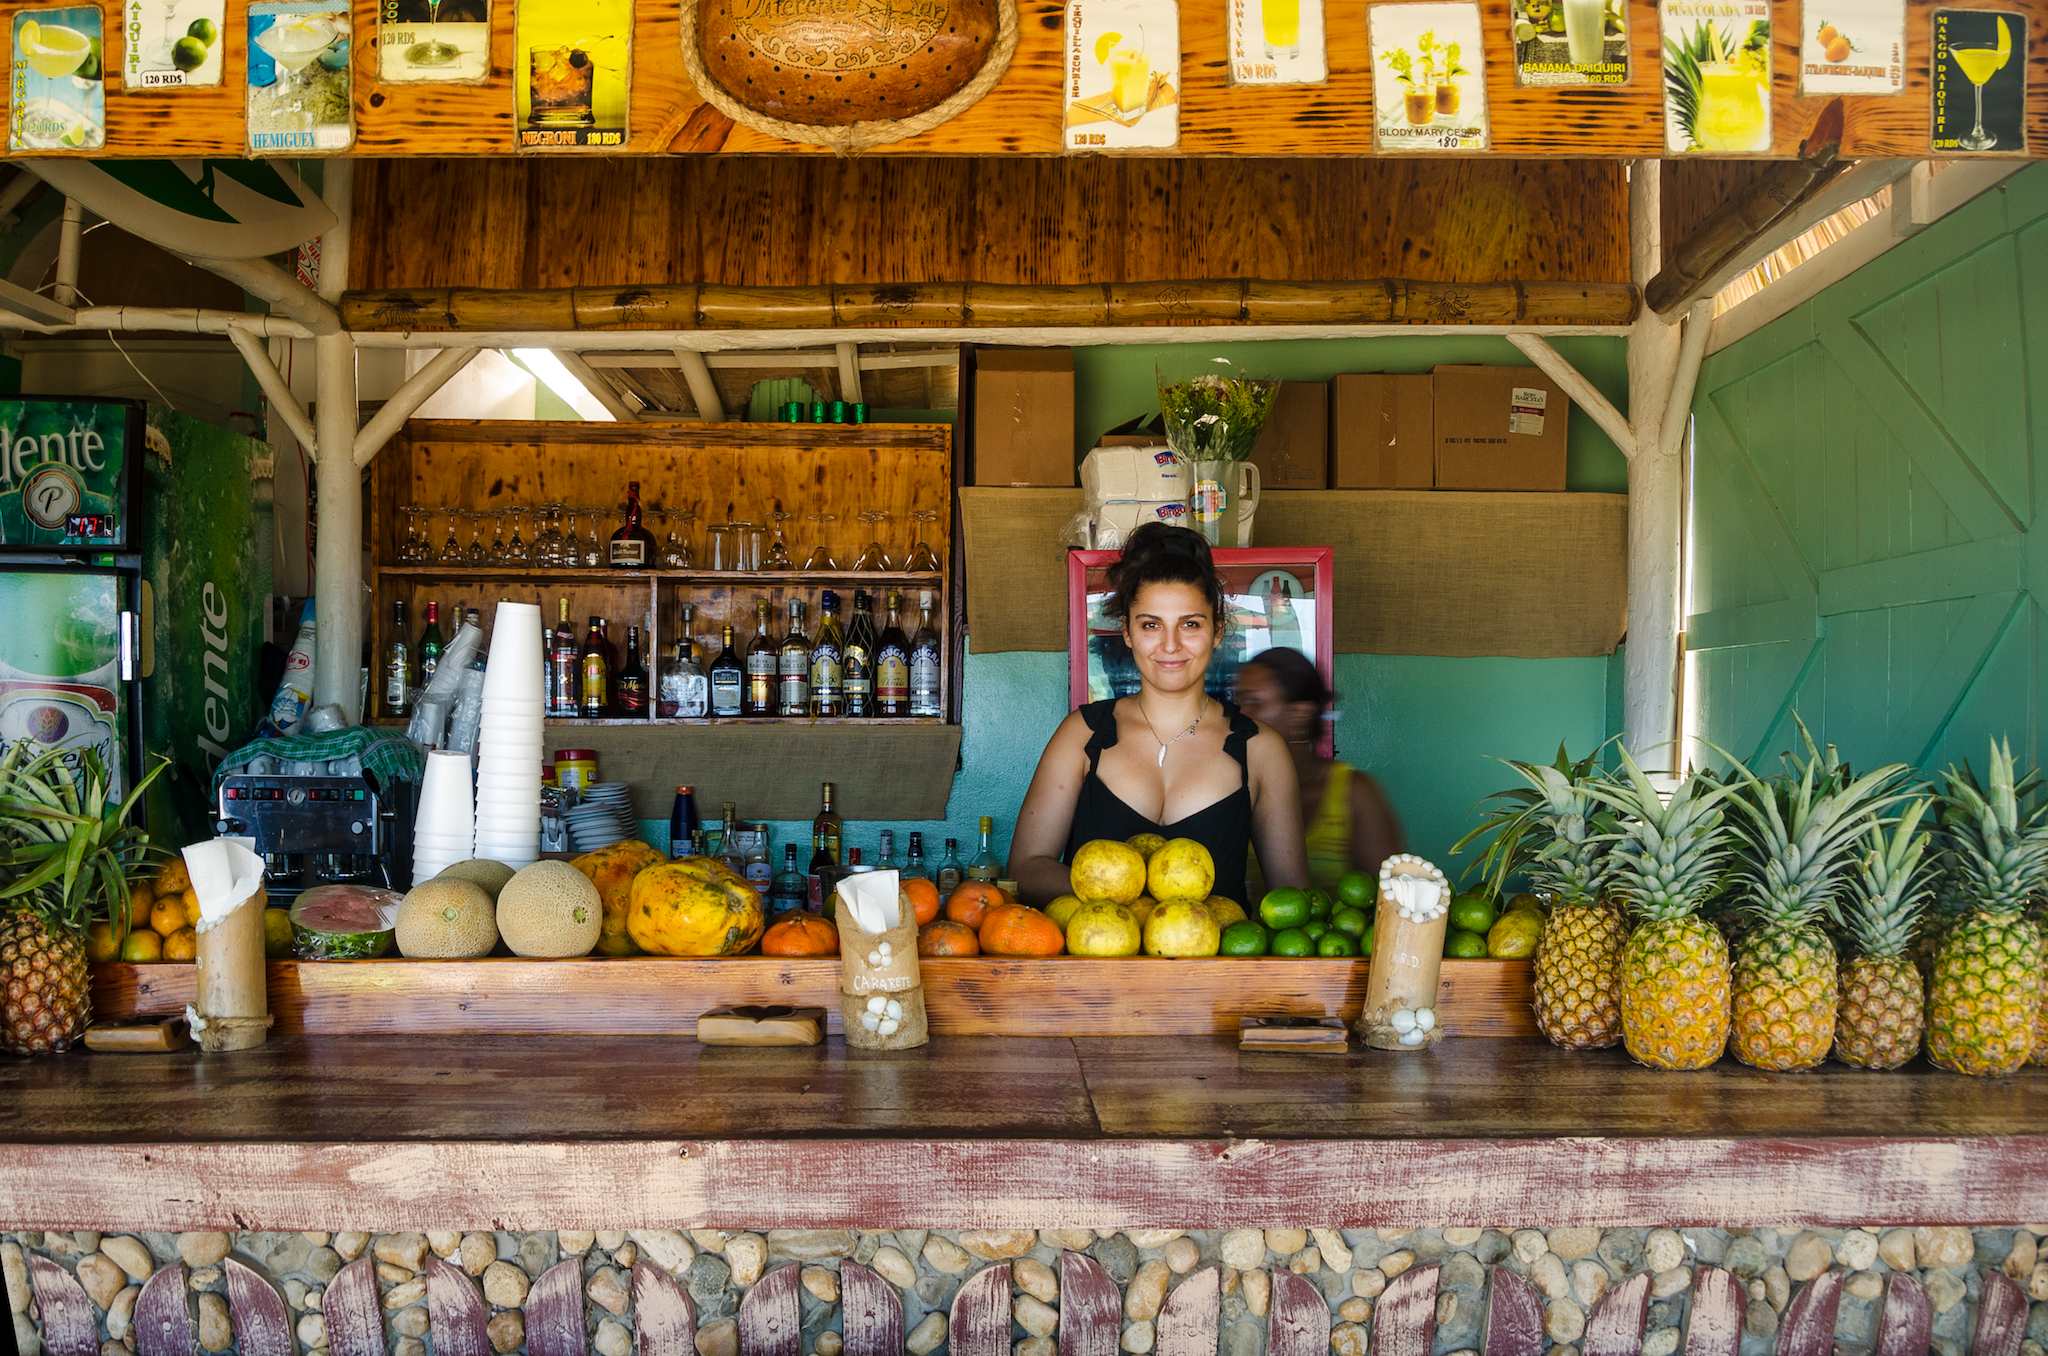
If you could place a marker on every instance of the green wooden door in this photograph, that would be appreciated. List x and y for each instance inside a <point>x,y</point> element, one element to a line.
<point>1868,493</point>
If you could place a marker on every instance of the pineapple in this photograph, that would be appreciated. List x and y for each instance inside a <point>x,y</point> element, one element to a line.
<point>1985,996</point>
<point>1548,829</point>
<point>1798,834</point>
<point>1674,970</point>
<point>66,848</point>
<point>1884,1009</point>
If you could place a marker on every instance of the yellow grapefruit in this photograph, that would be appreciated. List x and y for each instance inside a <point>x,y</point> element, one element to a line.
<point>1181,872</point>
<point>1146,844</point>
<point>1062,909</point>
<point>1106,870</point>
<point>1182,929</point>
<point>1102,930</point>
<point>1224,911</point>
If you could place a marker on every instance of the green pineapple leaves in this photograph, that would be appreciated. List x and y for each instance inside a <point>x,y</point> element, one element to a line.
<point>1994,854</point>
<point>66,845</point>
<point>1894,880</point>
<point>1668,853</point>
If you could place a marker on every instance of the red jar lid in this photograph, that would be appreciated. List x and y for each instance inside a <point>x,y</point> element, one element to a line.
<point>575,756</point>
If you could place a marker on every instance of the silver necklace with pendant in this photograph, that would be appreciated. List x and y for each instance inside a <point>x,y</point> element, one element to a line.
<point>1165,744</point>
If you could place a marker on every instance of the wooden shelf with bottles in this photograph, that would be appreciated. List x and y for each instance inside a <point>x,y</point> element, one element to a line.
<point>691,476</point>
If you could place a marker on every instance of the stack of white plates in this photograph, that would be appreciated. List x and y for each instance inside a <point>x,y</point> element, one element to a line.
<point>443,830</point>
<point>603,815</point>
<point>509,740</point>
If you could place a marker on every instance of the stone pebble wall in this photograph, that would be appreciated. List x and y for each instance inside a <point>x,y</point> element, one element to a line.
<point>1572,1268</point>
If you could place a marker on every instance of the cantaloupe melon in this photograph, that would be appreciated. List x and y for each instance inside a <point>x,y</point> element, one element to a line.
<point>550,909</point>
<point>447,919</point>
<point>482,871</point>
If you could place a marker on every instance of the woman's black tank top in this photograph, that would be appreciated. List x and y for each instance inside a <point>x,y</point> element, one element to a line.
<point>1224,826</point>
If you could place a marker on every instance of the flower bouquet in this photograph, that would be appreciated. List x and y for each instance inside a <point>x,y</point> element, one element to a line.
<point>1212,421</point>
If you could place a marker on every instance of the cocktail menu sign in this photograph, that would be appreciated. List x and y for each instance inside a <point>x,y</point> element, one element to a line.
<point>1429,77</point>
<point>1717,76</point>
<point>1123,74</point>
<point>1852,47</point>
<point>57,95</point>
<point>1979,81</point>
<point>299,78</point>
<point>1569,42</point>
<point>571,68</point>
<point>1277,42</point>
<point>447,41</point>
<point>173,42</point>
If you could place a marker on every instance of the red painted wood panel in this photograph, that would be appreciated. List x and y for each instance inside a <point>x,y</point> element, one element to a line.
<point>2001,1317</point>
<point>257,1311</point>
<point>1618,1320</point>
<point>456,1312</point>
<point>1404,1323</point>
<point>1299,1320</point>
<point>769,1322</point>
<point>63,1310</point>
<point>554,1311</point>
<point>871,1312</point>
<point>1905,1326</point>
<point>1514,1316</point>
<point>1808,1328</point>
<point>1713,1323</point>
<point>664,1320</point>
<point>163,1316</point>
<point>1187,1322</point>
<point>980,1321</point>
<point>354,1314</point>
<point>1091,1310</point>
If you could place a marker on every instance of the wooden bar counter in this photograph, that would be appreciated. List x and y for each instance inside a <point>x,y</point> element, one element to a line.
<point>545,1132</point>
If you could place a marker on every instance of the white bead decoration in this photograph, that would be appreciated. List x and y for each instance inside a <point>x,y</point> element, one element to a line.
<point>887,1027</point>
<point>1412,1038</point>
<point>870,1021</point>
<point>1403,1020</point>
<point>1425,1019</point>
<point>877,1004</point>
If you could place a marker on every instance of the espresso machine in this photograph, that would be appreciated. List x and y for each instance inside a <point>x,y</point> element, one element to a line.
<point>321,830</point>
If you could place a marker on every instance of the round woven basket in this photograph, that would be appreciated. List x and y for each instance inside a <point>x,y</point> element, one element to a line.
<point>848,138</point>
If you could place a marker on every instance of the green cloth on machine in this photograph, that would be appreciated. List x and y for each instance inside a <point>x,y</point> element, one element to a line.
<point>386,754</point>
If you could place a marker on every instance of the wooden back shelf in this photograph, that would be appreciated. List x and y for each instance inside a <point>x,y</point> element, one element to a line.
<point>965,996</point>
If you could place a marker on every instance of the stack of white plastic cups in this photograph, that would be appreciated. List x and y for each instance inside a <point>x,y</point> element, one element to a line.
<point>509,742</point>
<point>444,829</point>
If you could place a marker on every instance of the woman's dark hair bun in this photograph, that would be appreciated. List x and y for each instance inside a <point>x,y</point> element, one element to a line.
<point>1160,553</point>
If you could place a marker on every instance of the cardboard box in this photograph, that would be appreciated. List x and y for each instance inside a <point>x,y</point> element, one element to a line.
<point>1499,428</point>
<point>1024,416</point>
<point>1293,450</point>
<point>1382,432</point>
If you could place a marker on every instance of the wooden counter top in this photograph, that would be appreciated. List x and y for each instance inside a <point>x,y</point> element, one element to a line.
<point>426,1132</point>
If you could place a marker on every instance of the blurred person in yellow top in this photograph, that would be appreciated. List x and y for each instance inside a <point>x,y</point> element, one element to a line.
<point>1350,825</point>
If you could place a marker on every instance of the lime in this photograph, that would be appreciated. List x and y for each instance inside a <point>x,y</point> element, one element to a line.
<point>1365,941</point>
<point>1336,944</point>
<point>1464,945</point>
<point>1243,939</point>
<point>1286,907</point>
<point>188,54</point>
<point>1527,901</point>
<point>1293,942</point>
<point>277,933</point>
<point>1525,31</point>
<point>1557,23</point>
<point>91,70</point>
<point>1473,913</point>
<point>203,30</point>
<point>1356,889</point>
<point>1316,930</point>
<point>1514,936</point>
<point>1349,921</point>
<point>1319,902</point>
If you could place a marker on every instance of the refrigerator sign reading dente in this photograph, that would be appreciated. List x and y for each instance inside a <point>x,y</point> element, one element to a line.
<point>63,470</point>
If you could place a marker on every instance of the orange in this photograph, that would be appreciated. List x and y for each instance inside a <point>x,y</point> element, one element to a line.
<point>191,898</point>
<point>100,942</point>
<point>172,878</point>
<point>971,899</point>
<point>140,900</point>
<point>947,938</point>
<point>800,934</point>
<point>1016,930</point>
<point>924,898</point>
<point>182,945</point>
<point>167,915</point>
<point>143,947</point>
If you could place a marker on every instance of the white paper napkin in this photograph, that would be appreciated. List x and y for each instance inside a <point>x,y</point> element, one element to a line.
<point>225,873</point>
<point>873,900</point>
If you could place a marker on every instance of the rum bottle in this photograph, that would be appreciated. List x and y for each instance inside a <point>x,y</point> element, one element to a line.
<point>794,666</point>
<point>858,668</point>
<point>728,680</point>
<point>826,827</point>
<point>924,662</point>
<point>827,697</point>
<point>892,665</point>
<point>949,873</point>
<point>632,546</point>
<point>985,866</point>
<point>397,665</point>
<point>913,864</point>
<point>761,662</point>
<point>430,644</point>
<point>632,681</point>
<point>563,685</point>
<point>885,859</point>
<point>596,668</point>
<point>787,891</point>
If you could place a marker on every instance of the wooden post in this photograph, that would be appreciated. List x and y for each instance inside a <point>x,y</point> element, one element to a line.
<point>1655,504</point>
<point>338,551</point>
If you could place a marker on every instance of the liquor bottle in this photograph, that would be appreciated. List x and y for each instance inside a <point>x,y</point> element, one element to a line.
<point>827,826</point>
<point>984,866</point>
<point>730,850</point>
<point>787,891</point>
<point>430,644</point>
<point>949,873</point>
<point>682,822</point>
<point>1282,623</point>
<point>761,665</point>
<point>632,546</point>
<point>727,680</point>
<point>397,665</point>
<point>794,667</point>
<point>596,662</point>
<point>818,879</point>
<point>892,665</point>
<point>854,865</point>
<point>885,860</point>
<point>924,662</point>
<point>760,874</point>
<point>565,686</point>
<point>632,682</point>
<point>827,697</point>
<point>913,864</point>
<point>858,669</point>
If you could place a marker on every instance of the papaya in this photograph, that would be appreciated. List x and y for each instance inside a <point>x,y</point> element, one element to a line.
<point>612,870</point>
<point>696,906</point>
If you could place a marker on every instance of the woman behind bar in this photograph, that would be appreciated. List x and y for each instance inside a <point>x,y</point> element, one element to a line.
<point>1169,760</point>
<point>1351,826</point>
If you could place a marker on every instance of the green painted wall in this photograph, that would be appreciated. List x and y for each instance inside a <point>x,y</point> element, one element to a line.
<point>1869,482</point>
<point>1427,727</point>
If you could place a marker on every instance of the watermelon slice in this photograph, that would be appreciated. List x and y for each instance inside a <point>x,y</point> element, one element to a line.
<point>343,922</point>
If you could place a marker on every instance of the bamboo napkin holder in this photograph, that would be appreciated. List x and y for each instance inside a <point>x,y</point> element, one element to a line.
<point>1400,1010</point>
<point>881,991</point>
<point>231,1002</point>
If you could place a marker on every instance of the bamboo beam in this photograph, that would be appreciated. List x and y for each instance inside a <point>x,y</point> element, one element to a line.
<point>275,388</point>
<point>338,546</point>
<point>23,309</point>
<point>144,319</point>
<point>1583,393</point>
<point>1656,504</point>
<point>703,387</point>
<point>267,282</point>
<point>892,306</point>
<point>1692,349</point>
<point>70,239</point>
<point>412,393</point>
<point>1723,242</point>
<point>600,390</point>
<point>849,372</point>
